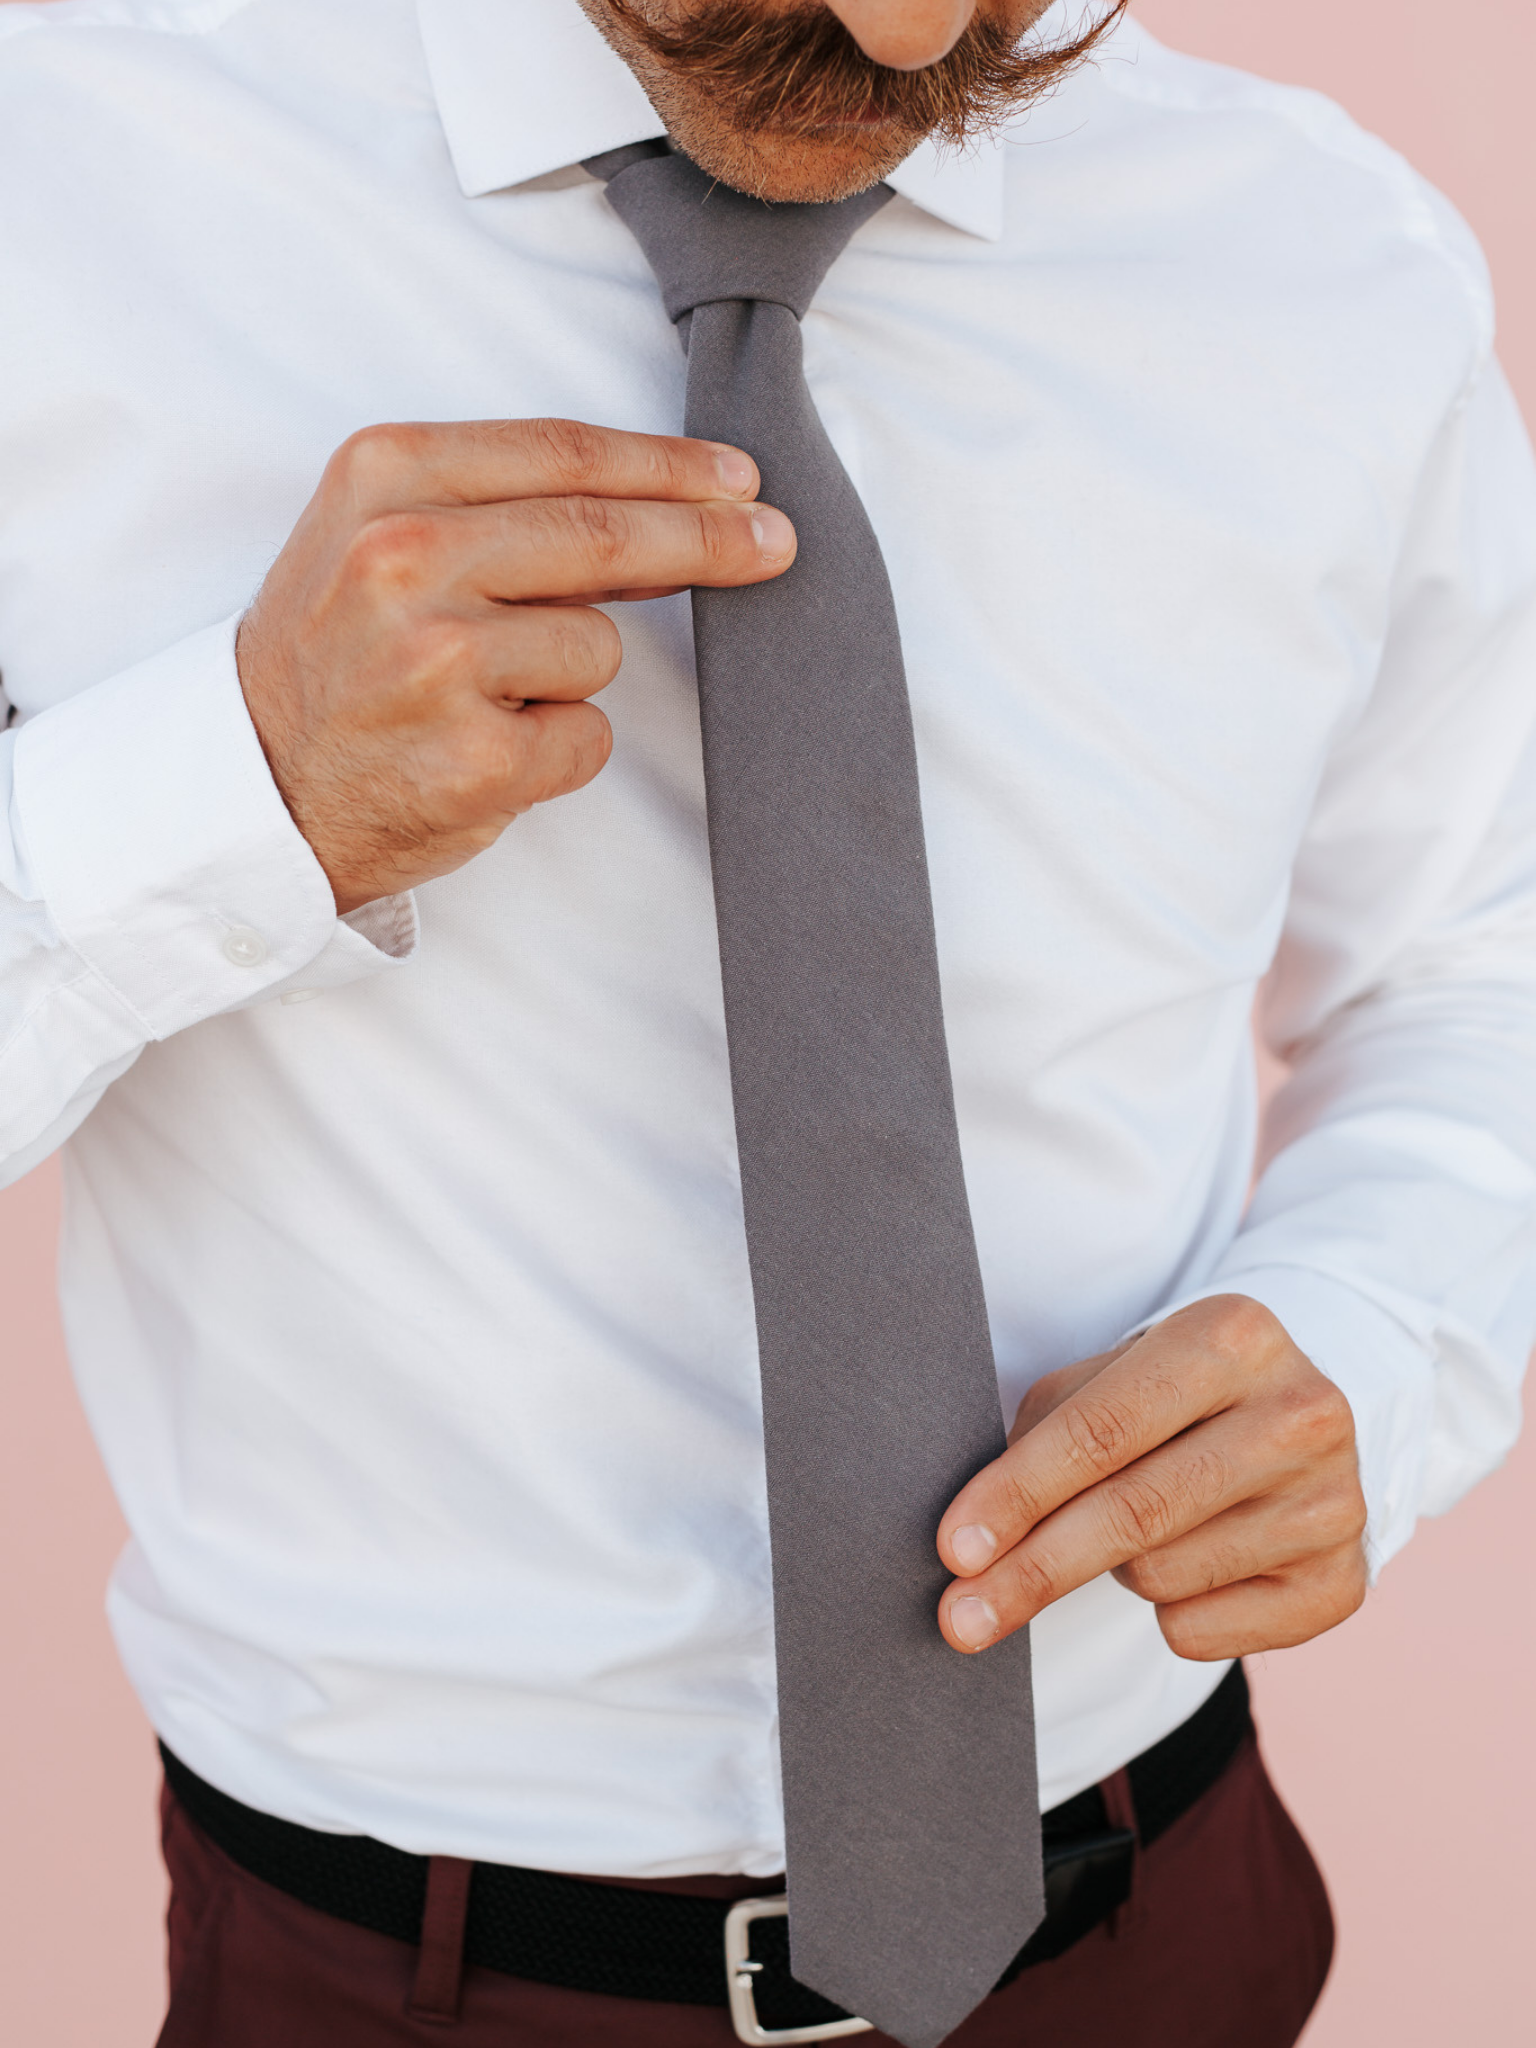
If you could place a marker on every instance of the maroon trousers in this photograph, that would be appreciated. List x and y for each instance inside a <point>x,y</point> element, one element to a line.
<point>1225,1944</point>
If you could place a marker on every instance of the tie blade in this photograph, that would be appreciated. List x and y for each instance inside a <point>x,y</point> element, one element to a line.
<point>912,1887</point>
<point>918,1990</point>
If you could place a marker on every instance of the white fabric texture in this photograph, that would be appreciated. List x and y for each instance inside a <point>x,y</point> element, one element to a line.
<point>414,1319</point>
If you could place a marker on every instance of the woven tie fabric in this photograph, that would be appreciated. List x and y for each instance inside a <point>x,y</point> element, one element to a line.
<point>911,1811</point>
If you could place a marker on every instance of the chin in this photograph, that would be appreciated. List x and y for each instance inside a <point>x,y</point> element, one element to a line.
<point>831,164</point>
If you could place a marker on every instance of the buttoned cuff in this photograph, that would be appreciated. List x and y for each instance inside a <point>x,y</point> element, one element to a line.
<point>166,857</point>
<point>1379,1361</point>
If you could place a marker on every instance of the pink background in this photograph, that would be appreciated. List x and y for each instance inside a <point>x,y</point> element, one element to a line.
<point>1402,1741</point>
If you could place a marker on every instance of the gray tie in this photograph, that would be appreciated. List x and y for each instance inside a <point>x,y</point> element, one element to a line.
<point>911,1817</point>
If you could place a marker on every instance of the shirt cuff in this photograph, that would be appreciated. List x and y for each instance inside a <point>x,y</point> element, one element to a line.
<point>1383,1367</point>
<point>154,834</point>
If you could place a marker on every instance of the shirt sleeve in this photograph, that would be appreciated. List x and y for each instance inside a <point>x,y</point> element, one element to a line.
<point>1393,1226</point>
<point>151,876</point>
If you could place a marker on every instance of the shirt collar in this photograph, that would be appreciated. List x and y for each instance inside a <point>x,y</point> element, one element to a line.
<point>525,87</point>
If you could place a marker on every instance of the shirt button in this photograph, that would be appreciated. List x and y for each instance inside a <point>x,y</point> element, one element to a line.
<point>243,947</point>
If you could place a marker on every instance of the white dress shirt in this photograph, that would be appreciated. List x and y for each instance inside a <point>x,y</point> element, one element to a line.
<point>413,1318</point>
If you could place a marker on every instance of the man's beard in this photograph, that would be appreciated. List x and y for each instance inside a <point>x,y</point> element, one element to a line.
<point>799,74</point>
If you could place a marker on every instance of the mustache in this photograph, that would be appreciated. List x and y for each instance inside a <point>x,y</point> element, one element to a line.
<point>793,73</point>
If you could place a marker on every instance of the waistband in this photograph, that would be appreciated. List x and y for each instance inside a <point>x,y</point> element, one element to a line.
<point>640,1941</point>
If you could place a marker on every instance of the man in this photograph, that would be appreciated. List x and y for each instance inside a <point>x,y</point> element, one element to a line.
<point>441,1227</point>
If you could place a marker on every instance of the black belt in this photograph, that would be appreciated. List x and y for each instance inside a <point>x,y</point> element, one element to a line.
<point>669,1946</point>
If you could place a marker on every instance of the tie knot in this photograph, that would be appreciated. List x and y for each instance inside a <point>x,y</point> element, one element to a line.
<point>706,242</point>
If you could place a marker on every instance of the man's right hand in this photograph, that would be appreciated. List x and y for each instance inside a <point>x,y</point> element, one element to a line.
<point>418,660</point>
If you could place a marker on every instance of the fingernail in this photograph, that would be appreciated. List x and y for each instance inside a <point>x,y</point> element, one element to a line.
<point>737,473</point>
<point>973,1547</point>
<point>973,1621</point>
<point>773,533</point>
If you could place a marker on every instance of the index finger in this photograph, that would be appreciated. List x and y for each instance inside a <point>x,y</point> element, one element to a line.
<point>394,467</point>
<point>1168,1380</point>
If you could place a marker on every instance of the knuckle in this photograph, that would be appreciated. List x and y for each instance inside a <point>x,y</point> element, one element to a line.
<point>393,551</point>
<point>1146,1576</point>
<point>577,456</point>
<point>554,748</point>
<point>1351,1580</point>
<point>471,783</point>
<point>372,458</point>
<point>1032,1581</point>
<point>720,538</point>
<point>1101,1430</point>
<point>678,471</point>
<point>1188,1632</point>
<point>1337,1520</point>
<point>1238,1328</point>
<point>602,531</point>
<point>1147,1507</point>
<point>1225,1564</point>
<point>1317,1597</point>
<point>1142,1512</point>
<point>1021,1506</point>
<point>442,651</point>
<point>1313,1418</point>
<point>1180,1572</point>
<point>584,647</point>
<point>1180,1630</point>
<point>577,744</point>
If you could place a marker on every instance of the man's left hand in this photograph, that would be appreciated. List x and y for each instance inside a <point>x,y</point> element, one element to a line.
<point>1208,1464</point>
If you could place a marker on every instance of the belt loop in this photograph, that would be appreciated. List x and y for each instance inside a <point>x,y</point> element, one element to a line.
<point>1120,1812</point>
<point>440,1972</point>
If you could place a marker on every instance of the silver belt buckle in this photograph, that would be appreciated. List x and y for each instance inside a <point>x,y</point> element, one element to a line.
<point>741,1981</point>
